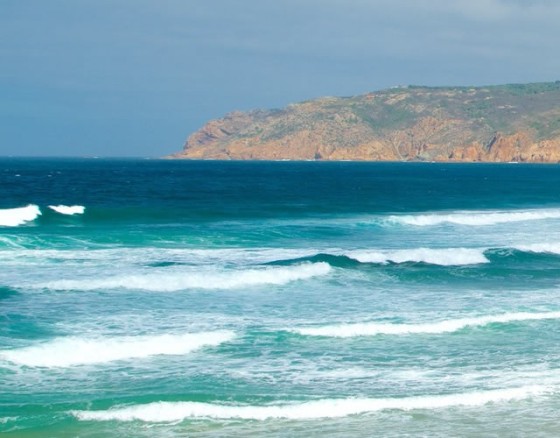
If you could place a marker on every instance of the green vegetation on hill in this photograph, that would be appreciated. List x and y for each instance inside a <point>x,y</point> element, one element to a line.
<point>408,123</point>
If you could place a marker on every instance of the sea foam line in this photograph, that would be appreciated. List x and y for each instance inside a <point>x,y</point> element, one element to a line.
<point>68,209</point>
<point>71,351</point>
<point>373,328</point>
<point>439,256</point>
<point>12,217</point>
<point>476,218</point>
<point>161,412</point>
<point>167,282</point>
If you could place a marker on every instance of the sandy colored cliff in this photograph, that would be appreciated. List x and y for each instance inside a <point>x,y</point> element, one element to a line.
<point>487,124</point>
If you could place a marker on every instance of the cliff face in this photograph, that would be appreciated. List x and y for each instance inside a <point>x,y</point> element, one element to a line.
<point>493,124</point>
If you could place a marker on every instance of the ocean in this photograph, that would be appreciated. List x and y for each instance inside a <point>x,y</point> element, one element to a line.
<point>159,298</point>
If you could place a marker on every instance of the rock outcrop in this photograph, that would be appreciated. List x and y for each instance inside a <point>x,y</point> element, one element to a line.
<point>506,123</point>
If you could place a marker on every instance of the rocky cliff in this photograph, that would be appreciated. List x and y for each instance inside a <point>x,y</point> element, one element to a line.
<point>496,123</point>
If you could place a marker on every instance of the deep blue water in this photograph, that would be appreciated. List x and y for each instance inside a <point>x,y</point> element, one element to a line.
<point>183,298</point>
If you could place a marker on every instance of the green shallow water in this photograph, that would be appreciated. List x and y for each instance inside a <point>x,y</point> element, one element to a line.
<point>279,299</point>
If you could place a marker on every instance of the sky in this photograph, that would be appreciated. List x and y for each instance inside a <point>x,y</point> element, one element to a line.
<point>137,77</point>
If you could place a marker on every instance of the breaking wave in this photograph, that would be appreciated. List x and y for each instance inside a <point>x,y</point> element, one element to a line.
<point>443,256</point>
<point>166,282</point>
<point>161,412</point>
<point>476,218</point>
<point>68,209</point>
<point>433,256</point>
<point>12,217</point>
<point>373,328</point>
<point>71,351</point>
<point>547,248</point>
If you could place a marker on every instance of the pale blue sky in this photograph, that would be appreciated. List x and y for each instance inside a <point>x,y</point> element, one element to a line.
<point>136,77</point>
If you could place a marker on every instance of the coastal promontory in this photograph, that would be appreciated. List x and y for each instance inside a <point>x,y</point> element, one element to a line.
<point>504,123</point>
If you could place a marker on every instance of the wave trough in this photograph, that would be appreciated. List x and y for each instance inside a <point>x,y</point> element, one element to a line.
<point>72,351</point>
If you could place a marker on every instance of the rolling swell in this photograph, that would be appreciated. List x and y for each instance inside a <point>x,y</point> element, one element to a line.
<point>337,261</point>
<point>445,257</point>
<point>430,256</point>
<point>303,246</point>
<point>6,292</point>
<point>146,213</point>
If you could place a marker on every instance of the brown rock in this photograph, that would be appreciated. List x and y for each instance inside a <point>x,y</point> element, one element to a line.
<point>498,124</point>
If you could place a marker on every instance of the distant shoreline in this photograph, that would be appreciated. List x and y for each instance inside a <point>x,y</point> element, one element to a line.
<point>504,123</point>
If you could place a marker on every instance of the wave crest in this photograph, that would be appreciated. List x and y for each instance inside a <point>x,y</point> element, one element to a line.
<point>71,351</point>
<point>68,209</point>
<point>13,217</point>
<point>442,256</point>
<point>372,328</point>
<point>328,408</point>
<point>547,248</point>
<point>476,218</point>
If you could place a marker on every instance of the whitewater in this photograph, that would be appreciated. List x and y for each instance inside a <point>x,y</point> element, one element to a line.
<point>207,299</point>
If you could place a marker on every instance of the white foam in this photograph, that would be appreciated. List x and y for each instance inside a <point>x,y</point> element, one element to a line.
<point>373,328</point>
<point>476,218</point>
<point>71,351</point>
<point>328,408</point>
<point>68,209</point>
<point>12,217</point>
<point>145,255</point>
<point>442,256</point>
<point>168,282</point>
<point>551,248</point>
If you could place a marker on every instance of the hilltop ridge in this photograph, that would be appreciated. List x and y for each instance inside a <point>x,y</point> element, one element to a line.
<point>500,123</point>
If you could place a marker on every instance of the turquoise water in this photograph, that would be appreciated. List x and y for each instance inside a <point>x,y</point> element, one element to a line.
<point>143,298</point>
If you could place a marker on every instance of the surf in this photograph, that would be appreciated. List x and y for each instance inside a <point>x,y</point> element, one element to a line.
<point>163,412</point>
<point>431,328</point>
<point>434,256</point>
<point>475,218</point>
<point>172,282</point>
<point>72,351</point>
<point>13,217</point>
